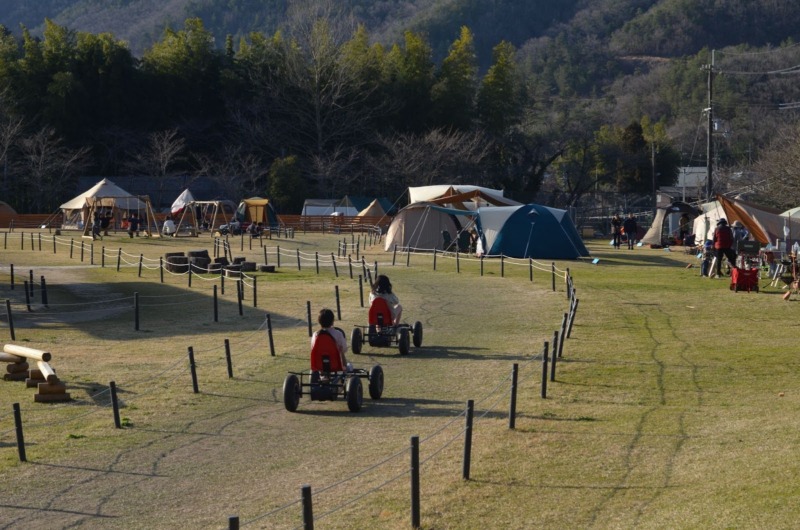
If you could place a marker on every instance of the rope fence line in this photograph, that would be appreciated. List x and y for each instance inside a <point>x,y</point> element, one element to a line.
<point>297,323</point>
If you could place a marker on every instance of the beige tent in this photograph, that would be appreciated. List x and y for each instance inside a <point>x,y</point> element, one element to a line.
<point>105,195</point>
<point>373,210</point>
<point>6,209</point>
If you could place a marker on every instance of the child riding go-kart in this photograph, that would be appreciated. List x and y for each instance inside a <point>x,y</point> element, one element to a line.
<point>381,332</point>
<point>328,379</point>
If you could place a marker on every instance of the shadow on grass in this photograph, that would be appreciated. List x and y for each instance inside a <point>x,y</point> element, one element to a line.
<point>387,407</point>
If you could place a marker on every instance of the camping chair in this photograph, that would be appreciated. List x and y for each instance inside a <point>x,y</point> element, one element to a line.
<point>381,324</point>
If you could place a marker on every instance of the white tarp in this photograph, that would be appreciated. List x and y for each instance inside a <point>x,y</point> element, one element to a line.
<point>183,199</point>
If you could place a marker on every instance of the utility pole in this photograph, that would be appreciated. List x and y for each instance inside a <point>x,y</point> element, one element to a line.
<point>710,127</point>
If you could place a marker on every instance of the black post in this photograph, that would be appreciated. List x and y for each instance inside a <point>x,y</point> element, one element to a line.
<point>12,276</point>
<point>335,268</point>
<point>20,437</point>
<point>544,370</point>
<point>228,358</point>
<point>316,261</point>
<point>555,351</point>
<point>458,262</point>
<point>572,318</point>
<point>530,268</point>
<point>567,282</point>
<point>40,242</point>
<point>269,333</point>
<point>266,259</point>
<point>115,404</point>
<point>82,247</point>
<point>190,274</point>
<point>308,313</point>
<point>161,268</point>
<point>222,281</point>
<point>308,511</point>
<point>30,276</point>
<point>338,305</point>
<point>136,311</point>
<point>278,253</point>
<point>502,265</point>
<point>298,259</point>
<point>394,255</point>
<point>415,519</point>
<point>119,258</point>
<point>233,522</point>
<point>193,369</point>
<point>408,256</point>
<point>216,305</point>
<point>54,244</point>
<point>434,259</point>
<point>239,293</point>
<point>562,334</point>
<point>361,289</point>
<point>10,320</point>
<point>512,409</point>
<point>91,253</point>
<point>468,440</point>
<point>44,291</point>
<point>255,292</point>
<point>27,296</point>
<point>71,247</point>
<point>481,265</point>
<point>141,260</point>
<point>553,274</point>
<point>350,264</point>
<point>103,257</point>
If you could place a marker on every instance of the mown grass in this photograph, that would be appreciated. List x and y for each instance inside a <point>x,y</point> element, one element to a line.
<point>674,403</point>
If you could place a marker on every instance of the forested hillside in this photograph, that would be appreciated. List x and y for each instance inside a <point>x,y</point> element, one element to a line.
<point>546,99</point>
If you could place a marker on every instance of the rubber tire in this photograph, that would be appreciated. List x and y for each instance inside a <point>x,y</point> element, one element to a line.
<point>376,382</point>
<point>291,392</point>
<point>355,394</point>
<point>417,336</point>
<point>356,340</point>
<point>404,341</point>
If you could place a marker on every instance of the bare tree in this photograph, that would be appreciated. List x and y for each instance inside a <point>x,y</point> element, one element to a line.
<point>779,167</point>
<point>46,169</point>
<point>237,172</point>
<point>163,151</point>
<point>438,155</point>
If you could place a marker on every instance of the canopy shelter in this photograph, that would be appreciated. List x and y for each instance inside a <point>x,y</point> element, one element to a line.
<point>103,198</point>
<point>442,191</point>
<point>660,232</point>
<point>319,206</point>
<point>764,224</point>
<point>529,231</point>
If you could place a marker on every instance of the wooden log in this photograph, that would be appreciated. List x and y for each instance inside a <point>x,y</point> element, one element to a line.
<point>47,371</point>
<point>33,383</point>
<point>35,373</point>
<point>50,398</point>
<point>21,376</point>
<point>52,388</point>
<point>15,368</point>
<point>26,352</point>
<point>8,358</point>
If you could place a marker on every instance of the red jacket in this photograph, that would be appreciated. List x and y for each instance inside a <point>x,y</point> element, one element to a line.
<point>723,237</point>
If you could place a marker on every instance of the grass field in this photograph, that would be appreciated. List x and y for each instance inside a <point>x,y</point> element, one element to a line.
<point>675,403</point>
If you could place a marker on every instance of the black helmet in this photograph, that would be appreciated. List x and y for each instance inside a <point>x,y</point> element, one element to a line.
<point>722,221</point>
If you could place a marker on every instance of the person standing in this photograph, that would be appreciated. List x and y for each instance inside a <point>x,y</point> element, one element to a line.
<point>683,228</point>
<point>133,225</point>
<point>630,227</point>
<point>723,243</point>
<point>616,229</point>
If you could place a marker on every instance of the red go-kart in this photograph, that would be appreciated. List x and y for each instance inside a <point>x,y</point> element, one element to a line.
<point>381,333</point>
<point>328,379</point>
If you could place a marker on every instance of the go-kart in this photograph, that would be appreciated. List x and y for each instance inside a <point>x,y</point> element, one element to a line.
<point>328,379</point>
<point>381,333</point>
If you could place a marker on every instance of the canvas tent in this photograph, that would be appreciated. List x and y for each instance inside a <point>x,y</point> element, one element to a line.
<point>375,209</point>
<point>765,225</point>
<point>529,231</point>
<point>194,216</point>
<point>472,197</point>
<point>319,207</point>
<point>420,226</point>
<point>105,195</point>
<point>665,223</point>
<point>257,210</point>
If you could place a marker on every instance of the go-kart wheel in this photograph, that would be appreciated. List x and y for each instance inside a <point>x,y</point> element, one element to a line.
<point>355,394</point>
<point>417,334</point>
<point>356,340</point>
<point>291,392</point>
<point>404,341</point>
<point>376,382</point>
